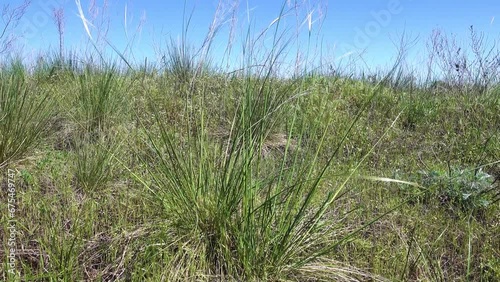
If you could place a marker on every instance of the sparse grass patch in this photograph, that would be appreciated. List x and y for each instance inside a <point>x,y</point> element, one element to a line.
<point>94,161</point>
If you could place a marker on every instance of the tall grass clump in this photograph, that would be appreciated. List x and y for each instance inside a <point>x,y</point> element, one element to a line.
<point>179,61</point>
<point>94,161</point>
<point>99,95</point>
<point>25,113</point>
<point>231,213</point>
<point>51,67</point>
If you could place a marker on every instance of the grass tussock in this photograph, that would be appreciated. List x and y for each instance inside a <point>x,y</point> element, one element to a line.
<point>25,114</point>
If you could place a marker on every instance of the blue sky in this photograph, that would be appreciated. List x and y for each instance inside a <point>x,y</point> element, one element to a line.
<point>340,27</point>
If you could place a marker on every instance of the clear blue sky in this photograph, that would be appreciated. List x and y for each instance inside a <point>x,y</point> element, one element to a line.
<point>348,27</point>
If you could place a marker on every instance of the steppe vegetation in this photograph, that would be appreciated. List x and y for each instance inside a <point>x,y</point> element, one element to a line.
<point>186,171</point>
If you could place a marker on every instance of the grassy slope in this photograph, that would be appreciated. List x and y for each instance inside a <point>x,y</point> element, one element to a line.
<point>85,215</point>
